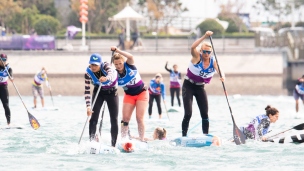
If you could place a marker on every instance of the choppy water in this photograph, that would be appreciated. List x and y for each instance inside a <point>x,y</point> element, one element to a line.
<point>54,146</point>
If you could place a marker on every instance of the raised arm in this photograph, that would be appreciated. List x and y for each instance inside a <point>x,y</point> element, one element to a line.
<point>194,52</point>
<point>166,67</point>
<point>129,56</point>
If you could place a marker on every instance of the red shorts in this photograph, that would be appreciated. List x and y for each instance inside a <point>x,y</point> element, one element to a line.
<point>143,96</point>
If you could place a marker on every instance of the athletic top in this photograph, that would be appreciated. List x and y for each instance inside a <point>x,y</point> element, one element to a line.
<point>4,71</point>
<point>300,87</point>
<point>39,78</point>
<point>257,127</point>
<point>157,88</point>
<point>197,74</point>
<point>175,78</point>
<point>107,71</point>
<point>130,80</point>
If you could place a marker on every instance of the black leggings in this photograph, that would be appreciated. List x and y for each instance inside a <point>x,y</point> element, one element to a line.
<point>188,91</point>
<point>158,100</point>
<point>5,102</point>
<point>111,97</point>
<point>172,91</point>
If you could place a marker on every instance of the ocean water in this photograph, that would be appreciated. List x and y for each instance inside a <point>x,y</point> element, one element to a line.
<point>54,146</point>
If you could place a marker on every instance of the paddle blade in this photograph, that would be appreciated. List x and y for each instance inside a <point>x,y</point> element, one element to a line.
<point>238,136</point>
<point>33,121</point>
<point>299,127</point>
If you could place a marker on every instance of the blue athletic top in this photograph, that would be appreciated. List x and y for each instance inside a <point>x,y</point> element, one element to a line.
<point>4,75</point>
<point>157,88</point>
<point>130,80</point>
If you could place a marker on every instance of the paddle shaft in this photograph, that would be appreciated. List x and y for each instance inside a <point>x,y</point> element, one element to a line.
<point>235,128</point>
<point>166,109</point>
<point>298,127</point>
<point>89,116</point>
<point>51,92</point>
<point>100,126</point>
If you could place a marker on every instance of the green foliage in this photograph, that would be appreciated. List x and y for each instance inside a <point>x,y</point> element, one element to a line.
<point>212,25</point>
<point>287,24</point>
<point>46,25</point>
<point>235,23</point>
<point>300,24</point>
<point>46,7</point>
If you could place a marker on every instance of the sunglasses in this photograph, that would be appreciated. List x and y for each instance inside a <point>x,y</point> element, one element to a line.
<point>206,52</point>
<point>3,59</point>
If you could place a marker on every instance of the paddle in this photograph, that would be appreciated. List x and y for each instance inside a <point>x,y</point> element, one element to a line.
<point>100,126</point>
<point>298,127</point>
<point>194,127</point>
<point>89,116</point>
<point>238,135</point>
<point>166,109</point>
<point>33,121</point>
<point>50,91</point>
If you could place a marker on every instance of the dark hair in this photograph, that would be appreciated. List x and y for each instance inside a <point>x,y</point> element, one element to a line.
<point>161,132</point>
<point>3,55</point>
<point>271,110</point>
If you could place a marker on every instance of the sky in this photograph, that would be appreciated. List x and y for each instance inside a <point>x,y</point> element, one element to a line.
<point>210,9</point>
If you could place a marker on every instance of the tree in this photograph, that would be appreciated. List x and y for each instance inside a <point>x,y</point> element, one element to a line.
<point>46,7</point>
<point>7,9</point>
<point>46,25</point>
<point>164,10</point>
<point>235,22</point>
<point>211,24</point>
<point>99,12</point>
<point>277,8</point>
<point>300,24</point>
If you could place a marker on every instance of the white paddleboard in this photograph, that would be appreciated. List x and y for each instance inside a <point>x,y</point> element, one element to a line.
<point>95,147</point>
<point>45,109</point>
<point>129,146</point>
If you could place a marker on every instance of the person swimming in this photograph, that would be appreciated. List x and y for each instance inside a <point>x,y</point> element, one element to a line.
<point>158,134</point>
<point>259,126</point>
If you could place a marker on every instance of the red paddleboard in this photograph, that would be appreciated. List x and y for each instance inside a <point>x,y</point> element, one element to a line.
<point>128,147</point>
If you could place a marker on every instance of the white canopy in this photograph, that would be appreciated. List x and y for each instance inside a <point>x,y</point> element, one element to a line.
<point>127,14</point>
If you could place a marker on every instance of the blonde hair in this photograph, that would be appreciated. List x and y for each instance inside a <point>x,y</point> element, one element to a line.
<point>206,44</point>
<point>118,56</point>
<point>161,133</point>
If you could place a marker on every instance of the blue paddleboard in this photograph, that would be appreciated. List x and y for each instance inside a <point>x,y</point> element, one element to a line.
<point>199,141</point>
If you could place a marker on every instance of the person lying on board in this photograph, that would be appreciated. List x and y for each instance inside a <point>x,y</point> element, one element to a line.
<point>158,134</point>
<point>259,126</point>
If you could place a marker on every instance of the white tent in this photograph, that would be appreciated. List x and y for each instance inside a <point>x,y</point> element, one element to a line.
<point>127,14</point>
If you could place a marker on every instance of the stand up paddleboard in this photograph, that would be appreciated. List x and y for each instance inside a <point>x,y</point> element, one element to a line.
<point>95,147</point>
<point>45,109</point>
<point>131,146</point>
<point>13,127</point>
<point>297,139</point>
<point>200,141</point>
